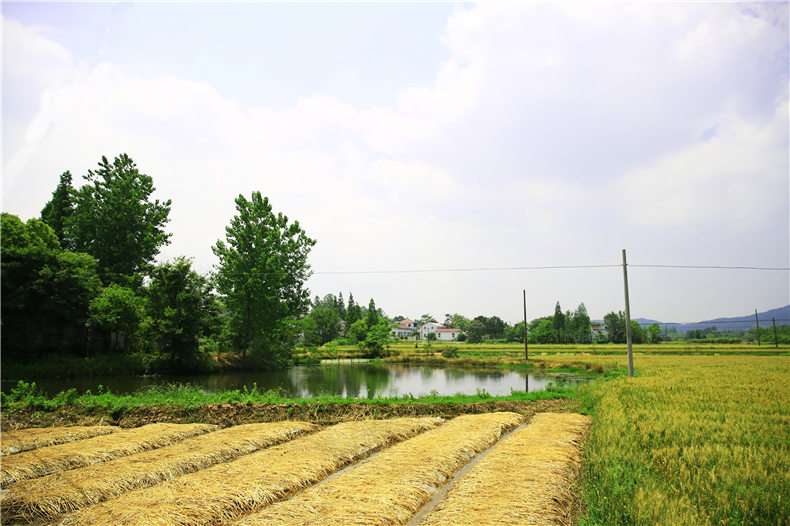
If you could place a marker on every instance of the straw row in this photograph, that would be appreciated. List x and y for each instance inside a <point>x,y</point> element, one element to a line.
<point>46,460</point>
<point>227,491</point>
<point>527,479</point>
<point>52,495</point>
<point>26,439</point>
<point>391,487</point>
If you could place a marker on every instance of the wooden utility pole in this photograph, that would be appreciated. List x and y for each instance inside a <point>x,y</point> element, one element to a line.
<point>757,321</point>
<point>628,319</point>
<point>776,340</point>
<point>526,347</point>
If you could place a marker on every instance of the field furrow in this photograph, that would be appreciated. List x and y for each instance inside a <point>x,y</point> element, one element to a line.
<point>227,491</point>
<point>389,488</point>
<point>20,440</point>
<point>46,460</point>
<point>58,493</point>
<point>526,479</point>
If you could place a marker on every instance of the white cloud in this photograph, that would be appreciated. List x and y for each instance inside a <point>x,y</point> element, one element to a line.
<point>516,154</point>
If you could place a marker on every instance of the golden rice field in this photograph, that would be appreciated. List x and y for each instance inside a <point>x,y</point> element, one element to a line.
<point>397,471</point>
<point>690,440</point>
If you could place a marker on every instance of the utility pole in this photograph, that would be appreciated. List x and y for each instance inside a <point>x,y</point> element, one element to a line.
<point>526,347</point>
<point>776,340</point>
<point>757,321</point>
<point>628,319</point>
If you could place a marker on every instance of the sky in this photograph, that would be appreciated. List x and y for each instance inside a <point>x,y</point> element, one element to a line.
<point>429,136</point>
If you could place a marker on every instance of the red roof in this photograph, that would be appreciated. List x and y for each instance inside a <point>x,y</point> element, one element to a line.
<point>448,330</point>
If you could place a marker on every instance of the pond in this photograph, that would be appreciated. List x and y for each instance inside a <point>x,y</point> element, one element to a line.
<point>359,379</point>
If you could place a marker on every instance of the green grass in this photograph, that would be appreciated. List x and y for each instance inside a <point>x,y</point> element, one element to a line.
<point>25,396</point>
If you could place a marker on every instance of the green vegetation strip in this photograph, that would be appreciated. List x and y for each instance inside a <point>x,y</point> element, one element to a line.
<point>26,439</point>
<point>391,487</point>
<point>40,462</point>
<point>228,490</point>
<point>46,497</point>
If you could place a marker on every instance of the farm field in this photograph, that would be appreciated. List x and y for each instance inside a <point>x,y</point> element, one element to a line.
<point>362,472</point>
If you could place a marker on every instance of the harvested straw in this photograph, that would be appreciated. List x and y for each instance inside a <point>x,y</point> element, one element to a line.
<point>391,487</point>
<point>226,491</point>
<point>527,479</point>
<point>26,439</point>
<point>40,462</point>
<point>49,496</point>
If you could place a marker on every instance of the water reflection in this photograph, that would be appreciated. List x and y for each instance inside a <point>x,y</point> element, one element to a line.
<point>354,380</point>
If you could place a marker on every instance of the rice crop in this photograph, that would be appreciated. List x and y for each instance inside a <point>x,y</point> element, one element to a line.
<point>49,496</point>
<point>26,439</point>
<point>227,491</point>
<point>46,460</point>
<point>690,440</point>
<point>526,479</point>
<point>390,487</point>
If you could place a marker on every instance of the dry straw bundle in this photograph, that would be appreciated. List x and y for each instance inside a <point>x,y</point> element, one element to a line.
<point>49,496</point>
<point>26,439</point>
<point>226,491</point>
<point>40,462</point>
<point>527,479</point>
<point>391,487</point>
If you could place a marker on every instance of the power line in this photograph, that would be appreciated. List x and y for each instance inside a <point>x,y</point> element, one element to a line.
<point>720,267</point>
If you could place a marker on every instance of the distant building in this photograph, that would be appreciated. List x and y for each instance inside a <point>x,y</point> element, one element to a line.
<point>402,331</point>
<point>428,328</point>
<point>598,331</point>
<point>447,334</point>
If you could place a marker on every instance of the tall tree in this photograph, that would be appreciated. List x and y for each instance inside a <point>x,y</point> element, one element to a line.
<point>353,312</point>
<point>372,317</point>
<point>559,322</point>
<point>615,326</point>
<point>262,270</point>
<point>59,210</point>
<point>581,325</point>
<point>179,308</point>
<point>116,222</point>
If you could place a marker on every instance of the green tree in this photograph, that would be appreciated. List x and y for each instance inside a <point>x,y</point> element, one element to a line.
<point>179,309</point>
<point>115,221</point>
<point>115,316</point>
<point>372,317</point>
<point>637,333</point>
<point>378,337</point>
<point>353,312</point>
<point>654,333</point>
<point>326,314</point>
<point>475,331</point>
<point>45,291</point>
<point>358,331</point>
<point>458,321</point>
<point>559,322</point>
<point>262,270</point>
<point>615,326</point>
<point>495,327</point>
<point>57,213</point>
<point>582,333</point>
<point>541,330</point>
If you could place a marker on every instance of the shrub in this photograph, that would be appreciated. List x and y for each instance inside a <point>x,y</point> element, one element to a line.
<point>450,352</point>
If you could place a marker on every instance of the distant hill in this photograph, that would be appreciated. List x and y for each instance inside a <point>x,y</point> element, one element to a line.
<point>738,323</point>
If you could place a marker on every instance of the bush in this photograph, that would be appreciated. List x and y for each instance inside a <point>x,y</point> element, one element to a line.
<point>450,352</point>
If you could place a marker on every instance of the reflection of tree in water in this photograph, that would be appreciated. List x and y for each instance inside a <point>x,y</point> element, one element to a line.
<point>350,380</point>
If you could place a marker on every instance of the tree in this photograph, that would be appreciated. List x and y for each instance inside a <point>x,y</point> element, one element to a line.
<point>559,322</point>
<point>654,333</point>
<point>431,336</point>
<point>541,330</point>
<point>261,272</point>
<point>581,325</point>
<point>495,327</point>
<point>358,331</point>
<point>353,312</point>
<point>327,315</point>
<point>57,213</point>
<point>475,331</point>
<point>458,322</point>
<point>372,317</point>
<point>179,311</point>
<point>378,337</point>
<point>45,291</point>
<point>115,315</point>
<point>615,326</point>
<point>115,221</point>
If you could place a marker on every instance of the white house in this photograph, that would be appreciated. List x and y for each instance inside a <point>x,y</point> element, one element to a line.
<point>428,328</point>
<point>401,331</point>
<point>409,324</point>
<point>447,334</point>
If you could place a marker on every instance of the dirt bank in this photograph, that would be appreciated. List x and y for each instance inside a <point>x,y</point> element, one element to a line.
<point>226,415</point>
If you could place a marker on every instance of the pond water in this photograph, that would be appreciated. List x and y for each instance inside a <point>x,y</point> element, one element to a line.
<point>357,379</point>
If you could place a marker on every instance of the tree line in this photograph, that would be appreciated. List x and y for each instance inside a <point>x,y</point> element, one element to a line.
<point>82,278</point>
